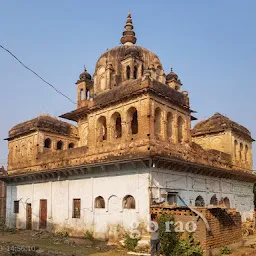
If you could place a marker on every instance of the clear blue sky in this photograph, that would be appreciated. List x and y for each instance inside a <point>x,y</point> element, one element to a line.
<point>211,45</point>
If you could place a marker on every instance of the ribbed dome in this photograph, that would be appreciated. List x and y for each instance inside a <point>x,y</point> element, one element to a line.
<point>117,54</point>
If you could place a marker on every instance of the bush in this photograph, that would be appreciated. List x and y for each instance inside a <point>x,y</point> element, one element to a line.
<point>225,250</point>
<point>129,242</point>
<point>4,228</point>
<point>172,244</point>
<point>168,240</point>
<point>88,235</point>
<point>62,234</point>
<point>188,247</point>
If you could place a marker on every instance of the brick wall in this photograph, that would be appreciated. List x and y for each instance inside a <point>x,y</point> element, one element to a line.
<point>225,226</point>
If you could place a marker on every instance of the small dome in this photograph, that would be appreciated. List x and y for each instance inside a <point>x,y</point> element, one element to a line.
<point>171,76</point>
<point>85,75</point>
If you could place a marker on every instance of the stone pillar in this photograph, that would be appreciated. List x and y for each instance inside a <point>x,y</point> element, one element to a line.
<point>109,71</point>
<point>132,69</point>
<point>175,128</point>
<point>164,124</point>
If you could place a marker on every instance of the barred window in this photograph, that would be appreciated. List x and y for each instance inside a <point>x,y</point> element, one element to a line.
<point>16,207</point>
<point>76,208</point>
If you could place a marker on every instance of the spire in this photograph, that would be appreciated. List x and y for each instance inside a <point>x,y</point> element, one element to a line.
<point>128,37</point>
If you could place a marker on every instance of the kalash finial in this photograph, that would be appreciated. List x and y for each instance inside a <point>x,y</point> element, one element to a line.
<point>128,37</point>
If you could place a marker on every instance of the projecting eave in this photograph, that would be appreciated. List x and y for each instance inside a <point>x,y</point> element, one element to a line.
<point>128,91</point>
<point>157,162</point>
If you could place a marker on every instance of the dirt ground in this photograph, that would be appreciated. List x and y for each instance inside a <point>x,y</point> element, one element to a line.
<point>27,242</point>
<point>31,243</point>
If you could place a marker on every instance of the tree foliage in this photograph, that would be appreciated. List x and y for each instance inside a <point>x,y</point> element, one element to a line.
<point>171,242</point>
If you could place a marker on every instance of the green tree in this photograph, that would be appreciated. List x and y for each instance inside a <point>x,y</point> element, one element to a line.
<point>169,239</point>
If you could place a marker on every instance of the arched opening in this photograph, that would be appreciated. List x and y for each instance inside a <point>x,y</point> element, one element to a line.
<point>81,94</point>
<point>241,151</point>
<point>128,72</point>
<point>48,143</point>
<point>180,124</point>
<point>226,202</point>
<point>117,125</point>
<point>99,202</point>
<point>199,202</point>
<point>102,83</point>
<point>113,204</point>
<point>142,70</point>
<point>71,145</point>
<point>235,149</point>
<point>59,145</point>
<point>87,94</point>
<point>129,202</point>
<point>246,153</point>
<point>133,120</point>
<point>158,121</point>
<point>135,72</point>
<point>102,128</point>
<point>169,124</point>
<point>214,200</point>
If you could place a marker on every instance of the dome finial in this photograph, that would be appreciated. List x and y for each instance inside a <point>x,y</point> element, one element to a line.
<point>128,37</point>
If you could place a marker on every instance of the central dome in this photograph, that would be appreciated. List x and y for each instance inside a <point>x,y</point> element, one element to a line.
<point>119,53</point>
<point>125,63</point>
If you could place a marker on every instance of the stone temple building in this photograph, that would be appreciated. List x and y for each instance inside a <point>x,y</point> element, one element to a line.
<point>132,147</point>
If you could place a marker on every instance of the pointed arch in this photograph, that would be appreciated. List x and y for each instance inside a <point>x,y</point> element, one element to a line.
<point>158,122</point>
<point>71,145</point>
<point>48,143</point>
<point>169,124</point>
<point>60,145</point>
<point>199,202</point>
<point>235,149</point>
<point>241,151</point>
<point>246,153</point>
<point>102,128</point>
<point>128,72</point>
<point>226,202</point>
<point>135,72</point>
<point>180,124</point>
<point>214,200</point>
<point>133,120</point>
<point>117,125</point>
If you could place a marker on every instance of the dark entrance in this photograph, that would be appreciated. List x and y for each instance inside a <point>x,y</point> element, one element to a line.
<point>43,214</point>
<point>29,216</point>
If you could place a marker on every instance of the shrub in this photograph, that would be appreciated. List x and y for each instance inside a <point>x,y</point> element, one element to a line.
<point>62,234</point>
<point>188,247</point>
<point>129,242</point>
<point>4,228</point>
<point>170,239</point>
<point>89,235</point>
<point>225,250</point>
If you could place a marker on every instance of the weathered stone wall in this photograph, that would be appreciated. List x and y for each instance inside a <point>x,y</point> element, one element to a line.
<point>231,143</point>
<point>25,150</point>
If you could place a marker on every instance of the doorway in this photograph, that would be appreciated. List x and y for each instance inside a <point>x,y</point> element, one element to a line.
<point>43,214</point>
<point>28,216</point>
